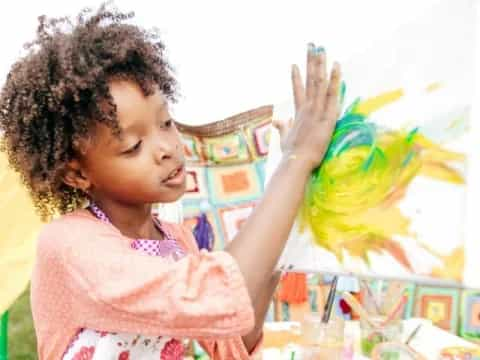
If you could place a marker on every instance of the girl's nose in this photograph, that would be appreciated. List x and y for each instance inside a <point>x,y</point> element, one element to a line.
<point>163,151</point>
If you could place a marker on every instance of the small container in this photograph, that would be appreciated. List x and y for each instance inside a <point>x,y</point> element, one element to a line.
<point>322,340</point>
<point>377,333</point>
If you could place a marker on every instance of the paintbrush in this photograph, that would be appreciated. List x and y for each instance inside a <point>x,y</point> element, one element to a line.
<point>371,296</point>
<point>358,308</point>
<point>327,310</point>
<point>413,334</point>
<point>393,295</point>
<point>395,311</point>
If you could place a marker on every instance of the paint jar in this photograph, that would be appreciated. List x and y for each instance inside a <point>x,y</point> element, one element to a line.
<point>322,340</point>
<point>377,331</point>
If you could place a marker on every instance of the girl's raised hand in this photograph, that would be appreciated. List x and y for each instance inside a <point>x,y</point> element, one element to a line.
<point>316,110</point>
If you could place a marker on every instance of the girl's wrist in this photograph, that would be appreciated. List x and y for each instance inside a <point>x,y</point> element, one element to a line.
<point>296,164</point>
<point>298,161</point>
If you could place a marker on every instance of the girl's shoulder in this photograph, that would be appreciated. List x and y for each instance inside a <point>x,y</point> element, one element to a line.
<point>72,229</point>
<point>81,227</point>
<point>78,221</point>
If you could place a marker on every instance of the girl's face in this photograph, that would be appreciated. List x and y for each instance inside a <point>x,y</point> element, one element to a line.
<point>145,164</point>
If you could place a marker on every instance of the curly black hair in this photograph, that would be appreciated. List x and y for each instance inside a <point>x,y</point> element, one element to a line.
<point>55,95</point>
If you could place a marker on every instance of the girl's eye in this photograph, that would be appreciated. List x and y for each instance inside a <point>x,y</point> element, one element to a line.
<point>134,148</point>
<point>167,124</point>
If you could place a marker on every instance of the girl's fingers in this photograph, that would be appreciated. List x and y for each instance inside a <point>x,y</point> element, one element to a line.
<point>331,101</point>
<point>298,89</point>
<point>310,80</point>
<point>320,82</point>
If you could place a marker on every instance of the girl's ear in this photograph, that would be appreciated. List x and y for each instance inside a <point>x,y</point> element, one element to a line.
<point>75,177</point>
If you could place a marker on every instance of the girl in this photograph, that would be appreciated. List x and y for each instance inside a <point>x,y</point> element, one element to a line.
<point>86,122</point>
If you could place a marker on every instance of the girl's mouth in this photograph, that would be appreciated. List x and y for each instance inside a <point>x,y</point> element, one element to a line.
<point>176,177</point>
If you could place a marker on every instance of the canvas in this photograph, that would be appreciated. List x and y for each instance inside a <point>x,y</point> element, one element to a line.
<point>389,199</point>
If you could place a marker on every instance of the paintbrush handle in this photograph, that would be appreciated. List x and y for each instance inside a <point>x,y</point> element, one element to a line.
<point>358,308</point>
<point>330,299</point>
<point>371,296</point>
<point>395,311</point>
<point>393,295</point>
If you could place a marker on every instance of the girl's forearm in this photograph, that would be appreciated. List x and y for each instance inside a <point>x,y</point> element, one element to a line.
<point>260,242</point>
